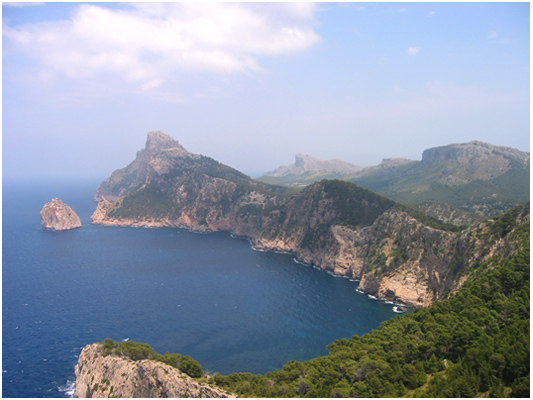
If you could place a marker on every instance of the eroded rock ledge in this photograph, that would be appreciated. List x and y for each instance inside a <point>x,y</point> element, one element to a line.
<point>103,376</point>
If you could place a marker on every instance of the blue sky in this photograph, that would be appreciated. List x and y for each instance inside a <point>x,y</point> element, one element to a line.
<point>253,84</point>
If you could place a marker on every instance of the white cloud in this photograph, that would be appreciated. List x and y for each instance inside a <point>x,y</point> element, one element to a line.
<point>150,41</point>
<point>431,14</point>
<point>413,51</point>
<point>493,35</point>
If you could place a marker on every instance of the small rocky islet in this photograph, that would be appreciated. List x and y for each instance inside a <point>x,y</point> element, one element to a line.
<point>57,216</point>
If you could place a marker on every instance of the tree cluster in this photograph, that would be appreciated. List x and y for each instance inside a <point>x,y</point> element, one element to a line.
<point>142,351</point>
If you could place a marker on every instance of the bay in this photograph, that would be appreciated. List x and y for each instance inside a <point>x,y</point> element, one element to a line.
<point>210,296</point>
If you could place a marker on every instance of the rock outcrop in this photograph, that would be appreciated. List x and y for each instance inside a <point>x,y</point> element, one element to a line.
<point>104,376</point>
<point>126,180</point>
<point>57,216</point>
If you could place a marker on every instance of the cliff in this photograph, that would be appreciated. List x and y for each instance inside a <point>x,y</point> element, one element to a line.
<point>395,252</point>
<point>103,376</point>
<point>57,216</point>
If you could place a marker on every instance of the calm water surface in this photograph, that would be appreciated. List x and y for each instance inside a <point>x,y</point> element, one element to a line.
<point>208,296</point>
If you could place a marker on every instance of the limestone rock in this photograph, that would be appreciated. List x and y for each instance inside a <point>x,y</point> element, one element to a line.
<point>103,376</point>
<point>57,216</point>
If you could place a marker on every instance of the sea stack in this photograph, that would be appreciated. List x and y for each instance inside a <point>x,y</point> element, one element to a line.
<point>57,216</point>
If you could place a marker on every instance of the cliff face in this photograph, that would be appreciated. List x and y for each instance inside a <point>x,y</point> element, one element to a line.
<point>335,225</point>
<point>57,216</point>
<point>112,376</point>
<point>314,225</point>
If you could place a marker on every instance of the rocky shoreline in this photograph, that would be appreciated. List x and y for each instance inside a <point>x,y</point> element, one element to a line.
<point>425,268</point>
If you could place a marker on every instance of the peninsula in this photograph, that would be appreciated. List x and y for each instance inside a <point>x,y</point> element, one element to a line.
<point>397,253</point>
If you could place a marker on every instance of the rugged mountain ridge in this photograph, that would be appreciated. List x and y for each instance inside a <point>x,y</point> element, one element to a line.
<point>310,167</point>
<point>336,225</point>
<point>477,177</point>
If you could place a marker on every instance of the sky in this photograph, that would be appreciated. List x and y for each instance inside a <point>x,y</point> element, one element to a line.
<point>253,84</point>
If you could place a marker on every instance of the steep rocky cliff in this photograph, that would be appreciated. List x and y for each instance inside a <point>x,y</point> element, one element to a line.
<point>103,376</point>
<point>417,264</point>
<point>397,253</point>
<point>57,216</point>
<point>126,180</point>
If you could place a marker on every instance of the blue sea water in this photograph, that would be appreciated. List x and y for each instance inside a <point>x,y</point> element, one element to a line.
<point>209,296</point>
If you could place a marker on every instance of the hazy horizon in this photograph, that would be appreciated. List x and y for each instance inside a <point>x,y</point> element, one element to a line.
<point>253,84</point>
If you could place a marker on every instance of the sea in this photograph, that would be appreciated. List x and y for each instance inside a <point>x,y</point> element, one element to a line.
<point>209,296</point>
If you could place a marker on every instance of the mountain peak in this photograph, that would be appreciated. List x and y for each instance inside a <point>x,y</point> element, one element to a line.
<point>157,140</point>
<point>306,163</point>
<point>474,151</point>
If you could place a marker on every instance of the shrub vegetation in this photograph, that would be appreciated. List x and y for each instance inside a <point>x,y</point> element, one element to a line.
<point>142,351</point>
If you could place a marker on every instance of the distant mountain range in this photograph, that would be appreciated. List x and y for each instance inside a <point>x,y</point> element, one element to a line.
<point>308,168</point>
<point>475,177</point>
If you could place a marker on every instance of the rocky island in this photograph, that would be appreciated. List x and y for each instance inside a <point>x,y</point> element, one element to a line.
<point>58,216</point>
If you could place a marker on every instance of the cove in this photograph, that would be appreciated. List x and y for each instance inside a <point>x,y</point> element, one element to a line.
<point>209,296</point>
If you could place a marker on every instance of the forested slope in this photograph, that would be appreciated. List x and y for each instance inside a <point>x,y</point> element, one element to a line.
<point>475,343</point>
